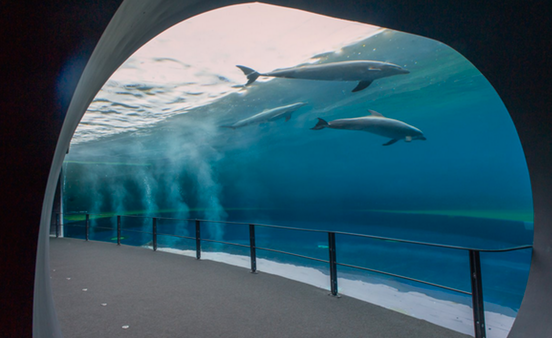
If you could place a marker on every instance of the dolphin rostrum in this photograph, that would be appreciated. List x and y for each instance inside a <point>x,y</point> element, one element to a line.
<point>269,115</point>
<point>376,124</point>
<point>365,72</point>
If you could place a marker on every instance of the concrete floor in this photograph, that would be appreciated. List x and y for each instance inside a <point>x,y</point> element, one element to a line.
<point>104,290</point>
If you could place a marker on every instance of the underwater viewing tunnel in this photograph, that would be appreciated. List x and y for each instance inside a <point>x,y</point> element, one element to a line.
<point>427,152</point>
<point>427,165</point>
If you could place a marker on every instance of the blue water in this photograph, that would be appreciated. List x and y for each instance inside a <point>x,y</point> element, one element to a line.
<point>467,184</point>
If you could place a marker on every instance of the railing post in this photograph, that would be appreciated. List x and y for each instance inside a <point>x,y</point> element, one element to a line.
<point>198,239</point>
<point>118,230</point>
<point>154,232</point>
<point>253,248</point>
<point>477,295</point>
<point>333,263</point>
<point>87,227</point>
<point>57,225</point>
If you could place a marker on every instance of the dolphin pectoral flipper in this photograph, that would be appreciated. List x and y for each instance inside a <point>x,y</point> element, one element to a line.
<point>320,125</point>
<point>251,74</point>
<point>362,85</point>
<point>288,116</point>
<point>391,142</point>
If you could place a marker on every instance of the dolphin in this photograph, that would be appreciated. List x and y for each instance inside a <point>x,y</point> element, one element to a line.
<point>376,124</point>
<point>365,72</point>
<point>269,115</point>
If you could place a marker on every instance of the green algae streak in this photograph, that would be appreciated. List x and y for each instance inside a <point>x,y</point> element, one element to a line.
<point>506,215</point>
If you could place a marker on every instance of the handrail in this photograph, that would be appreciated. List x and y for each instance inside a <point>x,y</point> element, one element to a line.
<point>474,254</point>
<point>392,239</point>
<point>404,277</point>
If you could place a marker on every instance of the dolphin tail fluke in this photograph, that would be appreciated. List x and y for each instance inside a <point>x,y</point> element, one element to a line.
<point>320,125</point>
<point>251,74</point>
<point>391,142</point>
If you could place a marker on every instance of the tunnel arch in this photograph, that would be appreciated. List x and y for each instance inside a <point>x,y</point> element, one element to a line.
<point>107,56</point>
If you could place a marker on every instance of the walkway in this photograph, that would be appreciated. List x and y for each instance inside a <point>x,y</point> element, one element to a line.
<point>105,290</point>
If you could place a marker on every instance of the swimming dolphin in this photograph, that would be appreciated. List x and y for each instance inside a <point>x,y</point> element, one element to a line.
<point>365,72</point>
<point>376,124</point>
<point>269,115</point>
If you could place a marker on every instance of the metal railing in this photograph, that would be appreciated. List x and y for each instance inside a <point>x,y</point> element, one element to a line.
<point>473,254</point>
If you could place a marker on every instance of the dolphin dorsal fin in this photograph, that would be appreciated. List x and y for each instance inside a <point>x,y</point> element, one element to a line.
<point>375,113</point>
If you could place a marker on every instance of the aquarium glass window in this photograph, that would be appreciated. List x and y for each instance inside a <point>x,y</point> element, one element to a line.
<point>263,114</point>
